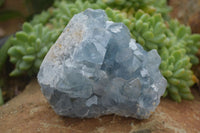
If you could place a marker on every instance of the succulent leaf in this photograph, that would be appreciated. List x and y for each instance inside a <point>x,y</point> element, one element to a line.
<point>32,40</point>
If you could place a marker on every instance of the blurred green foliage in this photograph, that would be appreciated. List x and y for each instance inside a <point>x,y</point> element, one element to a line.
<point>38,5</point>
<point>9,14</point>
<point>1,2</point>
<point>33,6</point>
<point>1,98</point>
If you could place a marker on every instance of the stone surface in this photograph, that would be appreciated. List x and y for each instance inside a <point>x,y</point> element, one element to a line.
<point>95,69</point>
<point>31,112</point>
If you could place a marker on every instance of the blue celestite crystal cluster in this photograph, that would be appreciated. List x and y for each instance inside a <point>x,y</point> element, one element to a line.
<point>95,69</point>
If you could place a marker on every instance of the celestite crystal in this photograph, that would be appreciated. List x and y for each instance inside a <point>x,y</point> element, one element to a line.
<point>95,69</point>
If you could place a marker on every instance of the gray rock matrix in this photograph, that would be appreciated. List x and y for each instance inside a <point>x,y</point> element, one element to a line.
<point>95,69</point>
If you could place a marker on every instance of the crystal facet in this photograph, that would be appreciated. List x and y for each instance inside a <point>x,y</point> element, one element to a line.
<point>95,68</point>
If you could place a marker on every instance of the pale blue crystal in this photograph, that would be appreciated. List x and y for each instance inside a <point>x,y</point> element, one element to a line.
<point>95,68</point>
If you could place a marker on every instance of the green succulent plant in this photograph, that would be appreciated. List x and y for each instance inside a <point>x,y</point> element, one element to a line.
<point>176,68</point>
<point>132,6</point>
<point>183,35</point>
<point>145,20</point>
<point>29,48</point>
<point>42,18</point>
<point>64,11</point>
<point>71,7</point>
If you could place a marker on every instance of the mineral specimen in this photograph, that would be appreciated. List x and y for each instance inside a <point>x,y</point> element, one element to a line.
<point>95,69</point>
